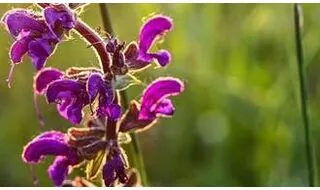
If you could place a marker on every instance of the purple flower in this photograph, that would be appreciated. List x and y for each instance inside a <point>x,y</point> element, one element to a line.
<point>59,19</point>
<point>75,90</point>
<point>154,104</point>
<point>97,85</point>
<point>138,56</point>
<point>35,35</point>
<point>52,143</point>
<point>113,169</point>
<point>70,97</point>
<point>154,100</point>
<point>45,77</point>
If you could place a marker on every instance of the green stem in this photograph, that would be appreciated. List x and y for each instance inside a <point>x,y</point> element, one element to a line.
<point>134,146</point>
<point>298,18</point>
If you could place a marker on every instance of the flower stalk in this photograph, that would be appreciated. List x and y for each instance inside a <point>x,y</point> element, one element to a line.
<point>134,145</point>
<point>298,21</point>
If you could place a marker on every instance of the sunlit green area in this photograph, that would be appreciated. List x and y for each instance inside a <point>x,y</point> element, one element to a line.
<point>238,123</point>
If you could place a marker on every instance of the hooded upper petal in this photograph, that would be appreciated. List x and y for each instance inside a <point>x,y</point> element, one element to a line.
<point>17,20</point>
<point>59,18</point>
<point>58,89</point>
<point>44,77</point>
<point>152,97</point>
<point>154,27</point>
<point>48,143</point>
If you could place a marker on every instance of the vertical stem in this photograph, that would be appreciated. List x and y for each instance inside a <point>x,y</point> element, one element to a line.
<point>298,19</point>
<point>124,99</point>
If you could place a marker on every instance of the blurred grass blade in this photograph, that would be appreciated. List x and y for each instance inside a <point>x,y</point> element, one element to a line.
<point>298,21</point>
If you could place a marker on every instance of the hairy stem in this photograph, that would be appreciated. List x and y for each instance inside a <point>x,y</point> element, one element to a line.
<point>138,159</point>
<point>298,18</point>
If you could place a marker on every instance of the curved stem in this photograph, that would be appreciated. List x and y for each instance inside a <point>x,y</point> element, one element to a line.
<point>93,39</point>
<point>96,41</point>
<point>298,18</point>
<point>138,159</point>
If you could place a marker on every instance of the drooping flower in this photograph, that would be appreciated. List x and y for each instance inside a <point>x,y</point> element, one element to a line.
<point>35,35</point>
<point>52,143</point>
<point>154,104</point>
<point>139,56</point>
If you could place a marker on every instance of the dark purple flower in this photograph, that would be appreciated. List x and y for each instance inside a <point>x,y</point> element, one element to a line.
<point>138,56</point>
<point>52,143</point>
<point>113,169</point>
<point>35,35</point>
<point>96,85</point>
<point>154,104</point>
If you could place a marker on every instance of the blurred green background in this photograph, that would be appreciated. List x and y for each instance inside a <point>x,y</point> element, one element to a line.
<point>238,123</point>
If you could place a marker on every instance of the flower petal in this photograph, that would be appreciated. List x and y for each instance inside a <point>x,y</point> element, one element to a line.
<point>75,113</point>
<point>58,170</point>
<point>59,136</point>
<point>109,174</point>
<point>69,108</point>
<point>156,92</point>
<point>163,57</point>
<point>57,87</point>
<point>44,145</point>
<point>131,55</point>
<point>112,111</point>
<point>18,49</point>
<point>44,77</point>
<point>93,85</point>
<point>130,120</point>
<point>153,28</point>
<point>59,16</point>
<point>164,108</point>
<point>39,51</point>
<point>17,20</point>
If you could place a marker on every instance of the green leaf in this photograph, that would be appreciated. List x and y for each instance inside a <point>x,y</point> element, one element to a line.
<point>94,166</point>
<point>122,82</point>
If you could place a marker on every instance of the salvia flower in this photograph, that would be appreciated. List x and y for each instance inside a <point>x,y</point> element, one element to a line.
<point>36,35</point>
<point>154,104</point>
<point>75,89</point>
<point>52,143</point>
<point>139,56</point>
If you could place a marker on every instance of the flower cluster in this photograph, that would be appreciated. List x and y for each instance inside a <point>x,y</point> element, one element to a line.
<point>98,143</point>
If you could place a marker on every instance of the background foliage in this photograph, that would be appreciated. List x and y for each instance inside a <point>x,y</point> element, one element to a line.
<point>238,122</point>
